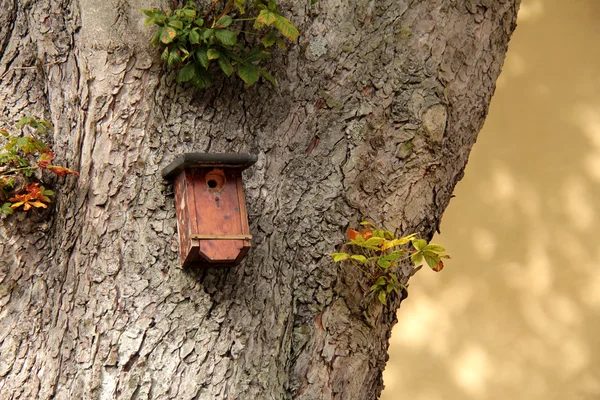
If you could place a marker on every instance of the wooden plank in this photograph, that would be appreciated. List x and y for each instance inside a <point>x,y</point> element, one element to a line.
<point>222,237</point>
<point>183,217</point>
<point>218,213</point>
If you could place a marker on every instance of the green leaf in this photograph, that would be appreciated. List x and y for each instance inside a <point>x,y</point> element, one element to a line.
<point>379,282</point>
<point>225,65</point>
<point>183,51</point>
<point>416,258</point>
<point>199,22</point>
<point>48,192</point>
<point>269,39</point>
<point>224,21</point>
<point>149,13</point>
<point>6,209</point>
<point>397,242</point>
<point>155,41</point>
<point>186,73</point>
<point>385,264</point>
<point>207,34</point>
<point>46,124</point>
<point>379,233</point>
<point>268,76</point>
<point>226,37</point>
<point>239,4</point>
<point>382,298</point>
<point>167,35</point>
<point>165,55</point>
<point>23,142</point>
<point>249,73</point>
<point>359,258</point>
<point>176,24</point>
<point>213,54</point>
<point>374,241</point>
<point>189,13</point>
<point>394,256</point>
<point>24,121</point>
<point>419,244</point>
<point>202,78</point>
<point>202,57</point>
<point>396,283</point>
<point>431,258</point>
<point>266,17</point>
<point>174,58</point>
<point>194,36</point>
<point>339,256</point>
<point>256,54</point>
<point>286,28</point>
<point>4,133</point>
<point>434,247</point>
<point>388,235</point>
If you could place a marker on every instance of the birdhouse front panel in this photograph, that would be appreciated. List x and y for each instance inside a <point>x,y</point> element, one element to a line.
<point>219,222</point>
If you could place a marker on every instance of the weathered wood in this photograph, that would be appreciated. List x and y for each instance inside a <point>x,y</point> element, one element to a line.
<point>222,237</point>
<point>211,216</point>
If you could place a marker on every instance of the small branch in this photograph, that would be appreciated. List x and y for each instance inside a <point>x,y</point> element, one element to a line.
<point>210,10</point>
<point>12,171</point>
<point>227,9</point>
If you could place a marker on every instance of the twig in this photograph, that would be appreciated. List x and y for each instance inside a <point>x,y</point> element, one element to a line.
<point>11,171</point>
<point>227,9</point>
<point>211,9</point>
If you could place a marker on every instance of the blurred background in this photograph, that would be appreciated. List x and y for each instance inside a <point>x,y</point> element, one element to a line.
<point>516,312</point>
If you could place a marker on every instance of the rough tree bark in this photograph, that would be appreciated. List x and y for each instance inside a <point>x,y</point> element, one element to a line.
<point>376,111</point>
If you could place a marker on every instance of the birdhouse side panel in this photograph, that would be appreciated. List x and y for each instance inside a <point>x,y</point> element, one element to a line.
<point>182,210</point>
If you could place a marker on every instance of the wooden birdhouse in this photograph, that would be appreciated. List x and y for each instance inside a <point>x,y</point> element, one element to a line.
<point>211,209</point>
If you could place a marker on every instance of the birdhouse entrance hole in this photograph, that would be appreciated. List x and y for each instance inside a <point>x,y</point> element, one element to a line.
<point>215,180</point>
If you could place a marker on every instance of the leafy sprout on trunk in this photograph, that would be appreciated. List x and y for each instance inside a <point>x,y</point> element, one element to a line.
<point>379,254</point>
<point>199,42</point>
<point>22,160</point>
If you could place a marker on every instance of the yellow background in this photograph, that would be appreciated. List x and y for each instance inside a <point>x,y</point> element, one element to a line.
<point>516,313</point>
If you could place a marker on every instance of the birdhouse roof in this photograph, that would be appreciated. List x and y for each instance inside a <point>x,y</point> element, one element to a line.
<point>208,160</point>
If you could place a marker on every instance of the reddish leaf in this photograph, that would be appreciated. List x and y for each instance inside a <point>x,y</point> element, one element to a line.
<point>439,267</point>
<point>367,233</point>
<point>34,196</point>
<point>61,171</point>
<point>45,159</point>
<point>353,234</point>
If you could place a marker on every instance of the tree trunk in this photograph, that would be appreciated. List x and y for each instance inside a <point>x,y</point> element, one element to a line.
<point>376,111</point>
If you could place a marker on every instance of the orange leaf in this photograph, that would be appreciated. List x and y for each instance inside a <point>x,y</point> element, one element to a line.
<point>38,204</point>
<point>15,205</point>
<point>61,171</point>
<point>367,233</point>
<point>45,159</point>
<point>352,234</point>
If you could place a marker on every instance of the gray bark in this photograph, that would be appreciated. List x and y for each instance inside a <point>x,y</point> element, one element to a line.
<point>376,111</point>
